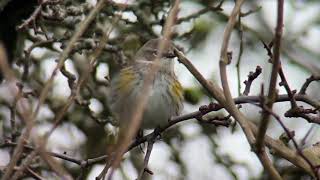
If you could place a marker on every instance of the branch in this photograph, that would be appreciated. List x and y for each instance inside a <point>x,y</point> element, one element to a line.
<point>75,88</point>
<point>200,12</point>
<point>36,13</point>
<point>274,74</point>
<point>34,174</point>
<point>240,31</point>
<point>307,83</point>
<point>231,108</point>
<point>290,135</point>
<point>251,77</point>
<point>304,113</point>
<point>147,156</point>
<point>273,144</point>
<point>30,117</point>
<point>82,163</point>
<point>209,86</point>
<point>215,91</point>
<point>295,111</point>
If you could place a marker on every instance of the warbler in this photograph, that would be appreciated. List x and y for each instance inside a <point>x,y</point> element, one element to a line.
<point>165,95</point>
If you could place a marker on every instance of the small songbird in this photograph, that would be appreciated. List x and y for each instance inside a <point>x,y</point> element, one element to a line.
<point>165,93</point>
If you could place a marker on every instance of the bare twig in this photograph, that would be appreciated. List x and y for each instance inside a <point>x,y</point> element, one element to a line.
<point>273,82</point>
<point>286,153</point>
<point>283,151</point>
<point>82,163</point>
<point>223,62</point>
<point>307,83</point>
<point>290,135</point>
<point>305,137</point>
<point>31,20</point>
<point>284,83</point>
<point>30,117</point>
<point>250,11</point>
<point>147,156</point>
<point>304,113</point>
<point>212,88</point>
<point>232,109</point>
<point>295,111</point>
<point>77,87</point>
<point>240,30</point>
<point>13,112</point>
<point>200,12</point>
<point>26,162</point>
<point>251,77</point>
<point>71,78</point>
<point>82,28</point>
<point>27,53</point>
<point>34,174</point>
<point>217,93</point>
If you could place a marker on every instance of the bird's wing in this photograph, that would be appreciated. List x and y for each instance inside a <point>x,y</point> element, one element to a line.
<point>176,92</point>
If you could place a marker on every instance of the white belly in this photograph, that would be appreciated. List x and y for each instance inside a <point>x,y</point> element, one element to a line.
<point>159,107</point>
<point>158,110</point>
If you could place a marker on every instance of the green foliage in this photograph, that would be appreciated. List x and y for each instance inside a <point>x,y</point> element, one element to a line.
<point>193,95</point>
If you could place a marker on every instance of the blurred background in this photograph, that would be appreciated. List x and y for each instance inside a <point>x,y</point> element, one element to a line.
<point>188,150</point>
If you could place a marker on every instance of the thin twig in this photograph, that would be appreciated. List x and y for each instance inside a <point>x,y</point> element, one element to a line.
<point>305,137</point>
<point>307,83</point>
<point>25,163</point>
<point>210,87</point>
<point>77,87</point>
<point>290,93</point>
<point>304,113</point>
<point>32,18</point>
<point>251,77</point>
<point>174,120</point>
<point>36,13</point>
<point>34,174</point>
<point>295,110</point>
<point>13,112</point>
<point>27,53</point>
<point>147,156</point>
<point>274,74</point>
<point>215,91</point>
<point>82,28</point>
<point>200,12</point>
<point>240,30</point>
<point>223,62</point>
<point>290,135</point>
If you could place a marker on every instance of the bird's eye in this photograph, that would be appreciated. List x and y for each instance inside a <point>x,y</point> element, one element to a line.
<point>169,55</point>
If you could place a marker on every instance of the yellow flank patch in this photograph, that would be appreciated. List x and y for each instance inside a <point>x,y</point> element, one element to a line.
<point>177,91</point>
<point>127,76</point>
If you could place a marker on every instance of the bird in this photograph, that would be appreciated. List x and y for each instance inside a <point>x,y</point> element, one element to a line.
<point>165,96</point>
